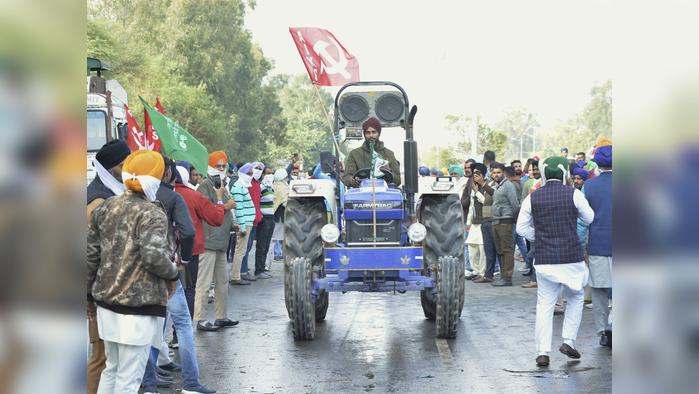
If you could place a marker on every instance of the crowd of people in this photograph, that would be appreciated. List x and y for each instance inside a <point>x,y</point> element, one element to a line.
<point>553,215</point>
<point>161,233</point>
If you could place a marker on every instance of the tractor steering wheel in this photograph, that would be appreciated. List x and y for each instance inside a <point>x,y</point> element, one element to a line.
<point>364,174</point>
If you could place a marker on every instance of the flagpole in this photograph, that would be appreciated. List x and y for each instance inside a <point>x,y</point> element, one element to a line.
<point>327,117</point>
<point>373,199</point>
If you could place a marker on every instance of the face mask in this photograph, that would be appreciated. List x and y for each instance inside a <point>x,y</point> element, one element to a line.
<point>256,174</point>
<point>268,179</point>
<point>245,179</point>
<point>295,177</point>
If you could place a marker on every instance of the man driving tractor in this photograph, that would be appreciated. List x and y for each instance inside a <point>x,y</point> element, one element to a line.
<point>360,158</point>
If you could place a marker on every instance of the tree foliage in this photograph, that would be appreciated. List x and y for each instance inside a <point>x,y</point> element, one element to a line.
<point>198,58</point>
<point>440,157</point>
<point>584,129</point>
<point>487,138</point>
<point>516,124</point>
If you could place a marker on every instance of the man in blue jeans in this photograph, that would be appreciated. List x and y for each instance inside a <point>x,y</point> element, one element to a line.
<point>182,322</point>
<point>486,189</point>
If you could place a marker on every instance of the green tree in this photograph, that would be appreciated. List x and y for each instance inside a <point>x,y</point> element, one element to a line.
<point>307,131</point>
<point>488,139</point>
<point>584,129</point>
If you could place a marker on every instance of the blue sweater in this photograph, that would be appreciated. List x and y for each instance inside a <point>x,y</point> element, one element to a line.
<point>245,209</point>
<point>598,192</point>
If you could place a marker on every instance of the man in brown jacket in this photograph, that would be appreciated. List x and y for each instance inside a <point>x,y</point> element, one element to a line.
<point>130,272</point>
<point>360,158</point>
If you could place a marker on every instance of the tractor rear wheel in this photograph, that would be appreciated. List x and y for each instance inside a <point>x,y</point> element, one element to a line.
<point>304,219</point>
<point>442,216</point>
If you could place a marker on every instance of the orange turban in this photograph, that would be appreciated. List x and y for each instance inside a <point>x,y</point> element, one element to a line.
<point>217,156</point>
<point>603,142</point>
<point>143,162</point>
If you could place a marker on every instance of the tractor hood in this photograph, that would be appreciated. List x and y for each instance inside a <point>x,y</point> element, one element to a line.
<point>359,202</point>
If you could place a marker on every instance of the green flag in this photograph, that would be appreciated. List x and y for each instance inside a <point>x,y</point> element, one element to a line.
<point>178,144</point>
<point>377,162</point>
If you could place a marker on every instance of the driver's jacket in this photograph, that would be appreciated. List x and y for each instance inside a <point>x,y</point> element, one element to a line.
<point>360,158</point>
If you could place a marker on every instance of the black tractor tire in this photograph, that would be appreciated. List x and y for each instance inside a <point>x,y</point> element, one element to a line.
<point>442,216</point>
<point>298,281</point>
<point>303,221</point>
<point>448,298</point>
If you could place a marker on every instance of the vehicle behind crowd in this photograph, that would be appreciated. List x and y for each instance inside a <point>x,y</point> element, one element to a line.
<point>382,239</point>
<point>106,114</point>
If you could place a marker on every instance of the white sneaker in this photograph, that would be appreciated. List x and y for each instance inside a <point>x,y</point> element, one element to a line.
<point>211,293</point>
<point>588,306</point>
<point>496,273</point>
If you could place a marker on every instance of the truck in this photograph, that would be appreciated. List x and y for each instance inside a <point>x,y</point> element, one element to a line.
<point>106,111</point>
<point>377,237</point>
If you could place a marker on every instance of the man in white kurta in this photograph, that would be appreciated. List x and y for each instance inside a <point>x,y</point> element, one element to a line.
<point>548,217</point>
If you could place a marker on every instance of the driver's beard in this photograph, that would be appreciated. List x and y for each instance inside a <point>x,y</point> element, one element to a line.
<point>115,175</point>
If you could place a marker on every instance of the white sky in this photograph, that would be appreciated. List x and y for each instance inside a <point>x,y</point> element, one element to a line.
<point>456,57</point>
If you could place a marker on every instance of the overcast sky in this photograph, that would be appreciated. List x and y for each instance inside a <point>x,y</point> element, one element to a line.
<point>456,57</point>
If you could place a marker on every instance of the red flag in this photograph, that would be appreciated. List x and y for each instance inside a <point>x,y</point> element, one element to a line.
<point>153,140</point>
<point>327,61</point>
<point>136,140</point>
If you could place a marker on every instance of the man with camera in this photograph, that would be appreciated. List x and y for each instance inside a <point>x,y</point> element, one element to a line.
<point>213,262</point>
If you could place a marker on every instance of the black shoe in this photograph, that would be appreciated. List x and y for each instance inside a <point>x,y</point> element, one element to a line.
<point>603,340</point>
<point>225,322</point>
<point>528,273</point>
<point>569,351</point>
<point>173,344</point>
<point>162,372</point>
<point>163,382</point>
<point>542,361</point>
<point>476,277</point>
<point>469,277</point>
<point>206,327</point>
<point>172,367</point>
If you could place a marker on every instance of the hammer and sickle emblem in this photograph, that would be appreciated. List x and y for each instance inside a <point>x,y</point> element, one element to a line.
<point>335,66</point>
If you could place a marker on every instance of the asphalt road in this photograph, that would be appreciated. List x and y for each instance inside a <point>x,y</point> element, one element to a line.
<point>382,343</point>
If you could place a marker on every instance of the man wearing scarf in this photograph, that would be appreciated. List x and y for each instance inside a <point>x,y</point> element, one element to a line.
<point>265,227</point>
<point>178,214</point>
<point>130,272</point>
<point>245,216</point>
<point>212,264</point>
<point>549,216</point>
<point>255,192</point>
<point>598,192</point>
<point>108,163</point>
<point>360,158</point>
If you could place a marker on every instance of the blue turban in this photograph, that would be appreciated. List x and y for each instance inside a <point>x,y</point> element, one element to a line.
<point>433,171</point>
<point>185,165</point>
<point>424,171</point>
<point>581,173</point>
<point>245,169</point>
<point>603,156</point>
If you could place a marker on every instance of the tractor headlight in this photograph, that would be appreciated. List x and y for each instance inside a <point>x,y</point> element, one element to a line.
<point>417,232</point>
<point>303,188</point>
<point>330,233</point>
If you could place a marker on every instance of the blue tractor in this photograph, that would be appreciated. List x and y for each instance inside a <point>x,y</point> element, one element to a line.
<point>362,244</point>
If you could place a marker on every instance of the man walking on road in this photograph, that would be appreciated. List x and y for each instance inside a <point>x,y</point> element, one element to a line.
<point>550,217</point>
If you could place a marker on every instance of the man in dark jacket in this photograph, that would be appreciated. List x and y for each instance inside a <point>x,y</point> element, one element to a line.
<point>360,158</point>
<point>108,163</point>
<point>598,192</point>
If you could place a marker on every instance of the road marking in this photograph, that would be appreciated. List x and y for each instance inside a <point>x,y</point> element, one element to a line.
<point>445,354</point>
